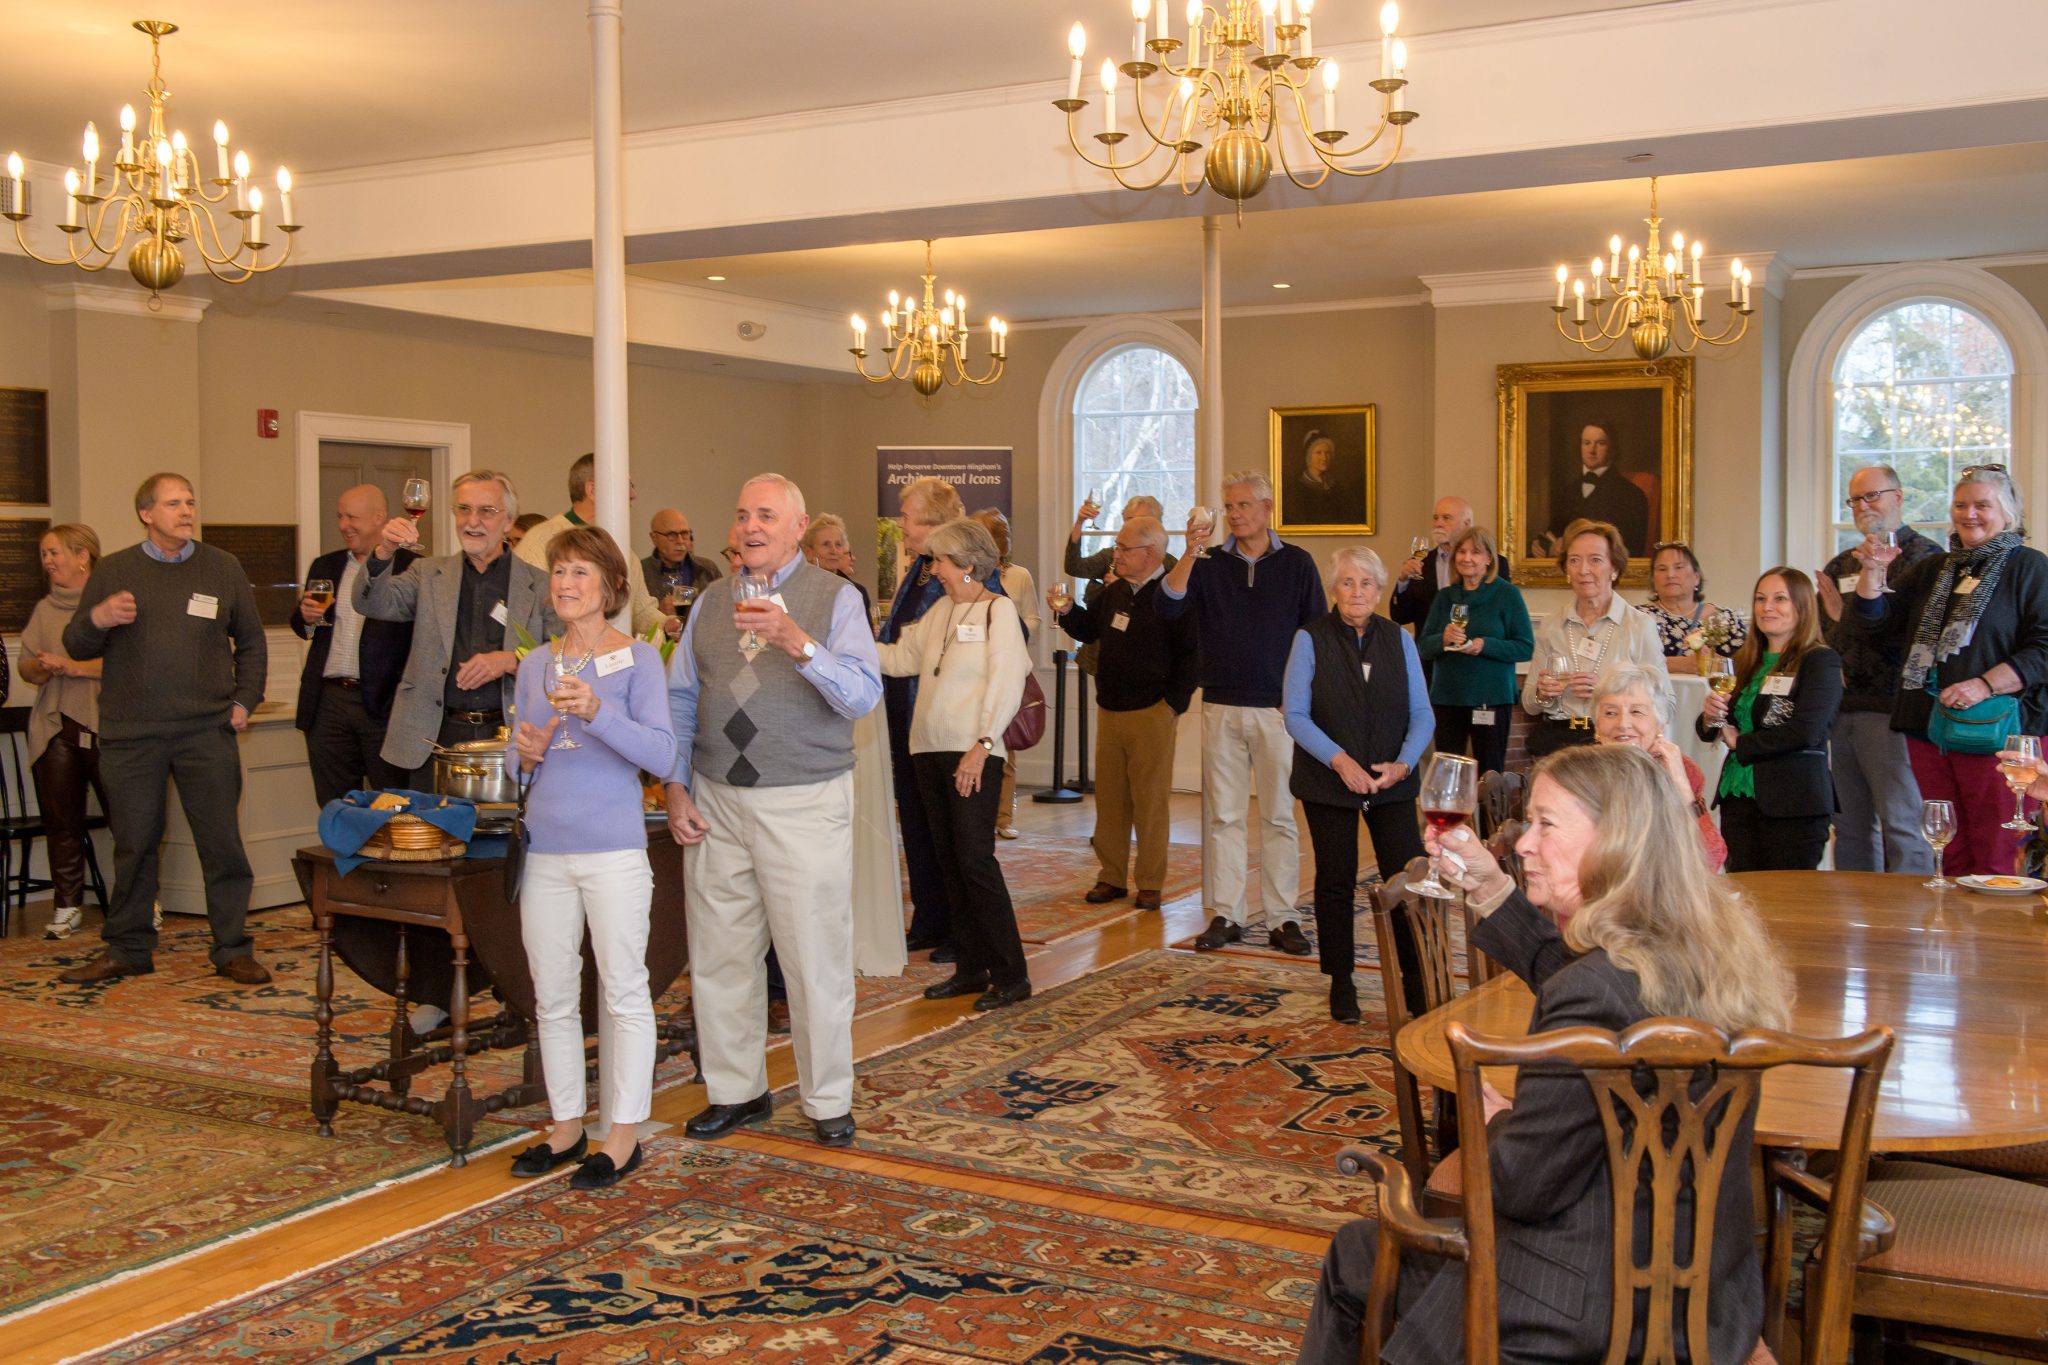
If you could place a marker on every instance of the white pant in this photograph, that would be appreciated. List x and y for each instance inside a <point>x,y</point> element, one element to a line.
<point>1246,751</point>
<point>777,866</point>
<point>612,893</point>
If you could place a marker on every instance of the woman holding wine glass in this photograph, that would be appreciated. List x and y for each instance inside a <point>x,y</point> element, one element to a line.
<point>1973,625</point>
<point>1360,718</point>
<point>1775,795</point>
<point>1477,631</point>
<point>607,701</point>
<point>1572,646</point>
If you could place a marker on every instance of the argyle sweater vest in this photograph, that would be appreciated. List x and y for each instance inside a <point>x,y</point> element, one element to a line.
<point>760,723</point>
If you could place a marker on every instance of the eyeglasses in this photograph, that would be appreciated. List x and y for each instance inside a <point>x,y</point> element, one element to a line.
<point>1661,546</point>
<point>673,535</point>
<point>1125,549</point>
<point>463,511</point>
<point>1870,499</point>
<point>1968,470</point>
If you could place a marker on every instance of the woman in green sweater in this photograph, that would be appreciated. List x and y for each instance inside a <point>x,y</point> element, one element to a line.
<point>1478,630</point>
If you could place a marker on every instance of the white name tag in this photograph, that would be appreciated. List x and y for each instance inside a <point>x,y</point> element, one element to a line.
<point>776,598</point>
<point>608,664</point>
<point>1966,586</point>
<point>202,605</point>
<point>971,632</point>
<point>1120,621</point>
<point>85,741</point>
<point>499,614</point>
<point>1367,670</point>
<point>1588,650</point>
<point>1778,685</point>
<point>1847,583</point>
<point>1482,715</point>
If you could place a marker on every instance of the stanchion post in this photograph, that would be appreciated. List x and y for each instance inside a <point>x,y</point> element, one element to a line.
<point>1082,783</point>
<point>1059,793</point>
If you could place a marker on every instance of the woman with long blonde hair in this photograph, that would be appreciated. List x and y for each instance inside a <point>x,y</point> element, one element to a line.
<point>1648,932</point>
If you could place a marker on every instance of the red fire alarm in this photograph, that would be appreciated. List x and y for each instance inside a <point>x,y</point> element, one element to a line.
<point>266,423</point>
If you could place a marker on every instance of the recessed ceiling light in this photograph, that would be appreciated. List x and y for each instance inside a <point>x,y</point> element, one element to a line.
<point>1280,285</point>
<point>716,279</point>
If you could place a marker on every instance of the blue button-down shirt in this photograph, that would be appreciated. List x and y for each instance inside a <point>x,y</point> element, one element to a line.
<point>846,670</point>
<point>149,547</point>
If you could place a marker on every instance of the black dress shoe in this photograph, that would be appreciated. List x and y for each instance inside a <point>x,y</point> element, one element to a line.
<point>1288,938</point>
<point>1219,932</point>
<point>1344,1000</point>
<point>597,1171</point>
<point>540,1158</point>
<point>1103,893</point>
<point>995,997</point>
<point>944,953</point>
<point>834,1132</point>
<point>719,1119</point>
<point>956,984</point>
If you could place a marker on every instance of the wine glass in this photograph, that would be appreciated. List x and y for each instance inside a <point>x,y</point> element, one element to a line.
<point>1420,546</point>
<point>752,588</point>
<point>561,668</point>
<point>1938,827</point>
<point>1558,666</point>
<point>1450,791</point>
<point>1204,517</point>
<point>416,498</point>
<point>1090,509</point>
<point>2019,772</point>
<point>1721,675</point>
<point>321,590</point>
<point>1891,540</point>
<point>1062,596</point>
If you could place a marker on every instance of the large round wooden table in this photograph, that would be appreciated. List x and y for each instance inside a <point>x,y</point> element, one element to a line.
<point>1960,977</point>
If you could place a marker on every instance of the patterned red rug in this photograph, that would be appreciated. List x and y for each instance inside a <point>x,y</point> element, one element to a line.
<point>1190,1081</point>
<point>709,1253</point>
<point>1048,877</point>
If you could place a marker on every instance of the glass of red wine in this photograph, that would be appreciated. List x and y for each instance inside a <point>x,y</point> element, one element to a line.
<point>1450,792</point>
<point>418,496</point>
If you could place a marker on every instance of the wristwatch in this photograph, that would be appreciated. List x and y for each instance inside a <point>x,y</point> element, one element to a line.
<point>810,650</point>
<point>986,743</point>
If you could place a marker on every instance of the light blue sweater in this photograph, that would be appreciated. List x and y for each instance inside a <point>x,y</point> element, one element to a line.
<point>587,799</point>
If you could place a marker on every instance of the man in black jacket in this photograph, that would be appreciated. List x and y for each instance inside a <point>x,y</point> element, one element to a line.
<point>353,663</point>
<point>1145,676</point>
<point>1422,579</point>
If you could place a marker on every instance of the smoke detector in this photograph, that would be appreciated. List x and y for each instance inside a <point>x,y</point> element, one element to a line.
<point>753,331</point>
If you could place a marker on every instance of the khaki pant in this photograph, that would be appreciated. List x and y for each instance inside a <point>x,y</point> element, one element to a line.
<point>1246,752</point>
<point>1133,781</point>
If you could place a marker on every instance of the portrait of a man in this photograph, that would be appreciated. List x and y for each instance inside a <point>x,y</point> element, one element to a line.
<point>1322,466</point>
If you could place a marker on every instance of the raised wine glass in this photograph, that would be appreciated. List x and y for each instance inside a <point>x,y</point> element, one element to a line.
<point>1450,792</point>
<point>1721,675</point>
<point>1420,546</point>
<point>321,590</point>
<point>1090,510</point>
<point>1062,596</point>
<point>752,588</point>
<point>561,668</point>
<point>1938,826</point>
<point>1198,545</point>
<point>2019,772</point>
<point>417,498</point>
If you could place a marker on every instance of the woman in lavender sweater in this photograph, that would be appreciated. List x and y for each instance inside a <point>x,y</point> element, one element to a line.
<point>587,853</point>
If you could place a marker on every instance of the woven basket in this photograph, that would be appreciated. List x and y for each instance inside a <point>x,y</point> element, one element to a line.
<point>409,839</point>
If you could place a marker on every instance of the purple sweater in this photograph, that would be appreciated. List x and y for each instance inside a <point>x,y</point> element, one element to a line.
<point>587,799</point>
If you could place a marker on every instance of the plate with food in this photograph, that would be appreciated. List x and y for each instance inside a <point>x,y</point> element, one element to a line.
<point>2004,886</point>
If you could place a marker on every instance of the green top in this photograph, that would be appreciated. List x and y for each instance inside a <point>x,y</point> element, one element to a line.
<point>1499,620</point>
<point>1737,777</point>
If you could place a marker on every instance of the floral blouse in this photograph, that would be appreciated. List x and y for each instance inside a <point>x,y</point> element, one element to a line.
<point>1673,630</point>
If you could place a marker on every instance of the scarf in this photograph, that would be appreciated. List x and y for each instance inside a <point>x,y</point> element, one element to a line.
<point>77,698</point>
<point>1938,636</point>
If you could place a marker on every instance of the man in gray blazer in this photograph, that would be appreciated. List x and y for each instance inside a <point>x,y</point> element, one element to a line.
<point>467,609</point>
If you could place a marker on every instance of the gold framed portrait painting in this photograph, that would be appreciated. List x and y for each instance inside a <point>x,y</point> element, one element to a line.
<point>1323,462</point>
<point>1603,440</point>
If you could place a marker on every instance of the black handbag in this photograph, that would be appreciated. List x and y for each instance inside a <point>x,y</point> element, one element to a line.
<point>515,843</point>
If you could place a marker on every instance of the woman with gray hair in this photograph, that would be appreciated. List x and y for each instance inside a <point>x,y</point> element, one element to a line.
<point>967,654</point>
<point>1974,627</point>
<point>1628,708</point>
<point>1359,715</point>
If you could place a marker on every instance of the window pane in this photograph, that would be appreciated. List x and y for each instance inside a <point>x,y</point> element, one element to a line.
<point>1134,433</point>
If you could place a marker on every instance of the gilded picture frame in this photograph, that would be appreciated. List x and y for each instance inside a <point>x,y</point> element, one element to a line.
<point>1324,464</point>
<point>1558,423</point>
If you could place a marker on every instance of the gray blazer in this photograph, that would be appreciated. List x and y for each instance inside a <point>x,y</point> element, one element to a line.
<point>428,594</point>
<point>1552,1200</point>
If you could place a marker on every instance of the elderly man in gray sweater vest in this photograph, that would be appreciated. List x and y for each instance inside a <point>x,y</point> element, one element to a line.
<point>185,656</point>
<point>764,699</point>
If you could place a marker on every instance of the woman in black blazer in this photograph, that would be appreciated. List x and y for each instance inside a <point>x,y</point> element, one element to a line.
<point>1662,937</point>
<point>1776,796</point>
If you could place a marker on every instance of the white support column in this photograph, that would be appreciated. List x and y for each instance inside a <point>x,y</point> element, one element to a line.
<point>608,265</point>
<point>1209,448</point>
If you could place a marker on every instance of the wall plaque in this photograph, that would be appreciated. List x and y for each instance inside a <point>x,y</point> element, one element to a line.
<point>21,573</point>
<point>25,447</point>
<point>270,556</point>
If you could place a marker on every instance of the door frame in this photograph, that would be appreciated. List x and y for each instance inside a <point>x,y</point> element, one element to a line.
<point>446,442</point>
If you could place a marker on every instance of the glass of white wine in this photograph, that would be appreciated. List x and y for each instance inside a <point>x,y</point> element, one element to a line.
<point>2019,763</point>
<point>1721,675</point>
<point>561,668</point>
<point>1198,541</point>
<point>1062,596</point>
<point>1938,826</point>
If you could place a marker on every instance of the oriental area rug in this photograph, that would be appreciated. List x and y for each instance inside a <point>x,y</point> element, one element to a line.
<point>111,1165</point>
<point>710,1253</point>
<point>1048,877</point>
<point>1190,1082</point>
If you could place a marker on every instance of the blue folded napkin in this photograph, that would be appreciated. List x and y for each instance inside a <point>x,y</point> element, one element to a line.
<point>346,824</point>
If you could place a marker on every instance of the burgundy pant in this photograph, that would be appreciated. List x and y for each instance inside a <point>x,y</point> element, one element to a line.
<point>1982,801</point>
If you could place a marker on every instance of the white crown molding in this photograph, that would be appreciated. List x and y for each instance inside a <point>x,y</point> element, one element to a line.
<point>1481,287</point>
<point>1245,310</point>
<point>112,298</point>
<point>1836,272</point>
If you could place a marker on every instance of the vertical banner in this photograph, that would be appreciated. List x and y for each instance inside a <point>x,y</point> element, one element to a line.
<point>982,474</point>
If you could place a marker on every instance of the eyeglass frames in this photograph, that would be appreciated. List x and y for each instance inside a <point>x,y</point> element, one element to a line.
<point>1868,499</point>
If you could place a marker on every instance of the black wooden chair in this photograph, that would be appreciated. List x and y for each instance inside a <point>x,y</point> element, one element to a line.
<point>19,829</point>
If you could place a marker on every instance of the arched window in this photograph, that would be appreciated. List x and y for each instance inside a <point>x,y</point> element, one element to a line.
<point>1925,386</point>
<point>1134,432</point>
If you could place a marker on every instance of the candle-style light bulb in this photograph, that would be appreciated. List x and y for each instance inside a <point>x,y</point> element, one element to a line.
<point>163,168</point>
<point>220,146</point>
<point>1077,43</point>
<point>128,134</point>
<point>1139,10</point>
<point>1307,44</point>
<point>1108,96</point>
<point>1563,273</point>
<point>1330,124</point>
<point>1678,243</point>
<point>254,232</point>
<point>92,142</point>
<point>1390,18</point>
<point>71,198</point>
<point>1400,96</point>
<point>284,195</point>
<point>1194,33</point>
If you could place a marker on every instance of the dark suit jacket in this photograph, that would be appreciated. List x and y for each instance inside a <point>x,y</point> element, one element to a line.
<point>1552,1197</point>
<point>1789,746</point>
<point>1614,500</point>
<point>1413,599</point>
<point>380,657</point>
<point>702,571</point>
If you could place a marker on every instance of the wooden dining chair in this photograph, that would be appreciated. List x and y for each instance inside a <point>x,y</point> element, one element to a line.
<point>1500,799</point>
<point>1670,1093</point>
<point>1501,844</point>
<point>1428,922</point>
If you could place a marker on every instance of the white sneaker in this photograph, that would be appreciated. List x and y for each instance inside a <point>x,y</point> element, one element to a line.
<point>68,920</point>
<point>156,915</point>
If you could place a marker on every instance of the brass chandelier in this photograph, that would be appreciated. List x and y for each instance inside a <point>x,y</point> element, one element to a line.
<point>1214,92</point>
<point>927,343</point>
<point>1658,297</point>
<point>156,195</point>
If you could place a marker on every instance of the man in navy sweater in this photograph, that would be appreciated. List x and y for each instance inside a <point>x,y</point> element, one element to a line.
<point>1249,597</point>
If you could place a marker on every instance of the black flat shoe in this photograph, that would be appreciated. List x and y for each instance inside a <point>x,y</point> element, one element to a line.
<point>995,997</point>
<point>956,984</point>
<point>598,1173</point>
<point>540,1158</point>
<point>834,1132</point>
<point>719,1119</point>
<point>1344,1001</point>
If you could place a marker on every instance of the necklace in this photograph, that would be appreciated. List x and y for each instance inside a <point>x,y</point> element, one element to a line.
<point>567,667</point>
<point>953,629</point>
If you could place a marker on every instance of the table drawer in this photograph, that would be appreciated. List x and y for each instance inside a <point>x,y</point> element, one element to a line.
<point>386,891</point>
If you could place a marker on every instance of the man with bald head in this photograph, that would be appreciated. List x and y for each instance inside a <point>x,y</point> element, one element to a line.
<point>1422,578</point>
<point>353,663</point>
<point>673,573</point>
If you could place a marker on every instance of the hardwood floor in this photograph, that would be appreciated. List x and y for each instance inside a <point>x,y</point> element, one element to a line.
<point>152,1298</point>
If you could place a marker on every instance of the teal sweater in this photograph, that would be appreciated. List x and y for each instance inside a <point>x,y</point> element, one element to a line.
<point>1500,622</point>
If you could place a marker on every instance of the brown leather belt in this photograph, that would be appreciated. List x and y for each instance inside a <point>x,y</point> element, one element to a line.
<point>475,717</point>
<point>352,684</point>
